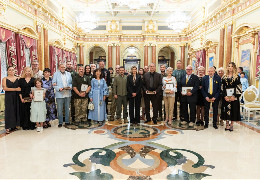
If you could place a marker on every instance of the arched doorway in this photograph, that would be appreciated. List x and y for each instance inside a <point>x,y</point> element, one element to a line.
<point>97,54</point>
<point>131,57</point>
<point>166,56</point>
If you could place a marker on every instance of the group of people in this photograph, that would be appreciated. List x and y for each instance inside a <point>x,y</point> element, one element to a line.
<point>82,96</point>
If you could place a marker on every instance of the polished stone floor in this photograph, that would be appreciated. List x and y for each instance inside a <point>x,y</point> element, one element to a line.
<point>145,151</point>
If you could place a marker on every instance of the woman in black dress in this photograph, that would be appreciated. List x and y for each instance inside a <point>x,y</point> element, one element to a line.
<point>26,82</point>
<point>200,102</point>
<point>134,84</point>
<point>10,86</point>
<point>231,104</point>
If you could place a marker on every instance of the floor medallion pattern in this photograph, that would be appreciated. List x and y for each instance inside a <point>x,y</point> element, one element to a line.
<point>137,156</point>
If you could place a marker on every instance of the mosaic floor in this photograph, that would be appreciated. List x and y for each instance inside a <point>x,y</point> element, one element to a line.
<point>145,151</point>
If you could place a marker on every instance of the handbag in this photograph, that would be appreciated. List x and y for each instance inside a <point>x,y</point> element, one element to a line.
<point>91,106</point>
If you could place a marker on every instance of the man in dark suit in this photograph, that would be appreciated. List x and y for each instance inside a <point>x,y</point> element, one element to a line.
<point>152,85</point>
<point>190,98</point>
<point>211,87</point>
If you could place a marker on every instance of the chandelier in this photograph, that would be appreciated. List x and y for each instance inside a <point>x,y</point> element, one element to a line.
<point>178,21</point>
<point>87,20</point>
<point>133,4</point>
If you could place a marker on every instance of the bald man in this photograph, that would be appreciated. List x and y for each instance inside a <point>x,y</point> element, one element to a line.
<point>211,87</point>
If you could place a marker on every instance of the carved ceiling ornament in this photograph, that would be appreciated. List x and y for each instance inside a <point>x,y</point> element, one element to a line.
<point>150,26</point>
<point>113,26</point>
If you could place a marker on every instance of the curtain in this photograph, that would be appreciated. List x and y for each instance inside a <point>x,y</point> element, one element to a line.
<point>33,51</point>
<point>3,62</point>
<point>258,58</point>
<point>20,45</point>
<point>12,58</point>
<point>52,59</point>
<point>203,58</point>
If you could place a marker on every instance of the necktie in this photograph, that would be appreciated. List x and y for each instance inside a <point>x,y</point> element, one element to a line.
<point>151,81</point>
<point>187,79</point>
<point>210,86</point>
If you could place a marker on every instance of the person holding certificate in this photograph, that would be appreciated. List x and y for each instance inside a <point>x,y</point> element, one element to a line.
<point>152,86</point>
<point>26,82</point>
<point>81,86</point>
<point>232,90</point>
<point>211,88</point>
<point>189,86</point>
<point>169,88</point>
<point>38,107</point>
<point>62,83</point>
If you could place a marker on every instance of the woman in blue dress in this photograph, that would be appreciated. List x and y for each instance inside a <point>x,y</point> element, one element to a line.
<point>49,98</point>
<point>97,95</point>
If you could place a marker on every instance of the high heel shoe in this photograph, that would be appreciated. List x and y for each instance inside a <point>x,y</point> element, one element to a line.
<point>227,128</point>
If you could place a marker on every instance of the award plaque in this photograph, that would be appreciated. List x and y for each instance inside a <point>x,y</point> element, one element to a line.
<point>66,88</point>
<point>150,92</point>
<point>27,99</point>
<point>84,88</point>
<point>38,95</point>
<point>185,90</point>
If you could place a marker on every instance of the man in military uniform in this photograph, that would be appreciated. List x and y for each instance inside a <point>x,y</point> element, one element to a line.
<point>113,103</point>
<point>81,85</point>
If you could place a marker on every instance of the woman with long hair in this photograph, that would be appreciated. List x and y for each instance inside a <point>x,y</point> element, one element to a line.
<point>141,73</point>
<point>97,95</point>
<point>88,71</point>
<point>232,90</point>
<point>26,82</point>
<point>10,86</point>
<point>134,85</point>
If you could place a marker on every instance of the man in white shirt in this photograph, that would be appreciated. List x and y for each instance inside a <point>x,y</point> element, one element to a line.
<point>35,67</point>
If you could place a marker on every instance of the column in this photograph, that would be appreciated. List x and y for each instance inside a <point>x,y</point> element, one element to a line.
<point>91,57</point>
<point>46,48</point>
<point>39,47</point>
<point>183,56</point>
<point>81,54</point>
<point>221,47</point>
<point>110,55</point>
<point>117,55</point>
<point>146,55</point>
<point>154,54</point>
<point>229,44</point>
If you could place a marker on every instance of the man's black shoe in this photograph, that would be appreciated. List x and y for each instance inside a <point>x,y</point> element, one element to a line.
<point>206,126</point>
<point>147,121</point>
<point>215,126</point>
<point>60,125</point>
<point>154,121</point>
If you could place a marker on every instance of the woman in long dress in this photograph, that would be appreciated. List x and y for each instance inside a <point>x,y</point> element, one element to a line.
<point>10,86</point>
<point>49,98</point>
<point>97,95</point>
<point>26,82</point>
<point>231,81</point>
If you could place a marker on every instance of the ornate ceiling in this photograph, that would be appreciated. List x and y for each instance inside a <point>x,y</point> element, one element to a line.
<point>158,9</point>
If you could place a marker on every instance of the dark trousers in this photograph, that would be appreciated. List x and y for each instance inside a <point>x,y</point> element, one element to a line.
<point>188,117</point>
<point>178,97</point>
<point>134,109</point>
<point>160,108</point>
<point>154,100</point>
<point>215,111</point>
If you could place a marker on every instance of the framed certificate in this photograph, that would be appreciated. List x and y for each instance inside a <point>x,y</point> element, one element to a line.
<point>38,95</point>
<point>230,92</point>
<point>168,88</point>
<point>185,90</point>
<point>27,99</point>
<point>84,88</point>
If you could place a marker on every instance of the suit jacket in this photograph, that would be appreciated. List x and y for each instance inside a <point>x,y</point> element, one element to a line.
<point>134,88</point>
<point>58,80</point>
<point>216,86</point>
<point>157,83</point>
<point>193,82</point>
